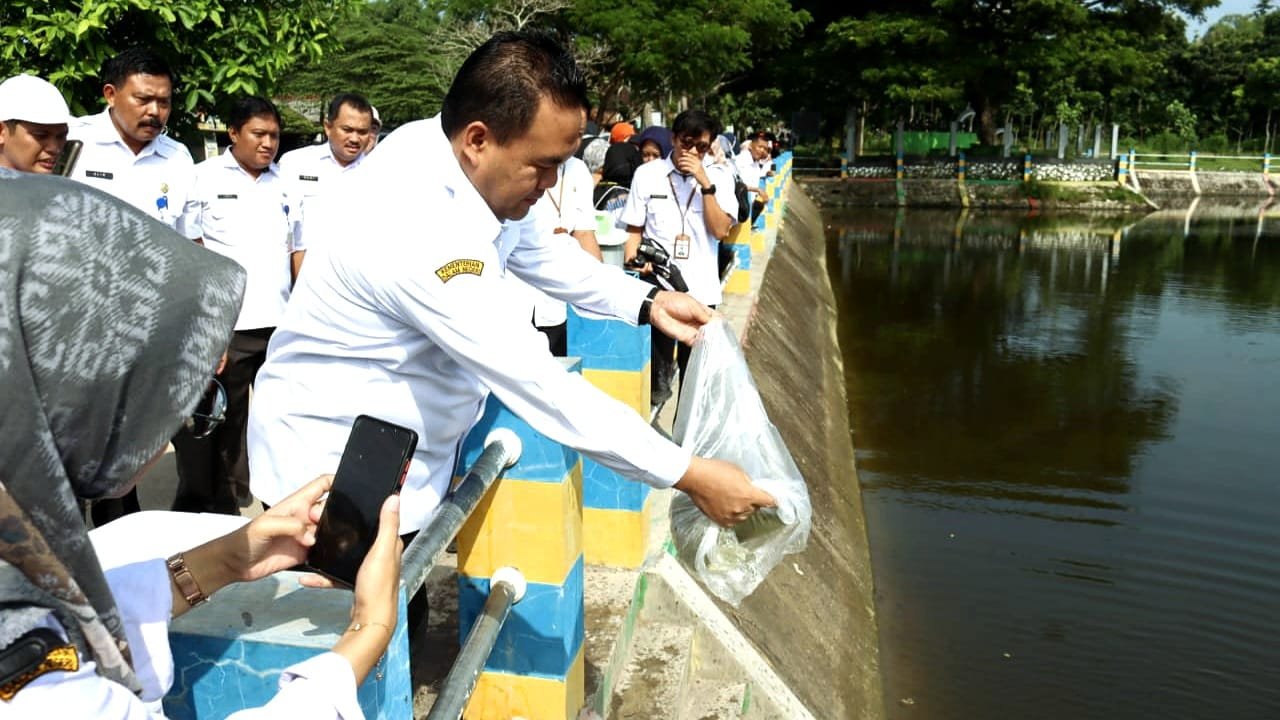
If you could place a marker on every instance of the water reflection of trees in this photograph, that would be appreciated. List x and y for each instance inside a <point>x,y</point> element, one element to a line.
<point>987,366</point>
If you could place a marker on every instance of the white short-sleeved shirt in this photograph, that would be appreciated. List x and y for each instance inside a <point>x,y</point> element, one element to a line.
<point>749,169</point>
<point>308,171</point>
<point>158,180</point>
<point>566,205</point>
<point>666,204</point>
<point>405,313</point>
<point>248,220</point>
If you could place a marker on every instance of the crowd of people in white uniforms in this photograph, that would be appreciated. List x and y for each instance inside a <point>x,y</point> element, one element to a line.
<point>417,324</point>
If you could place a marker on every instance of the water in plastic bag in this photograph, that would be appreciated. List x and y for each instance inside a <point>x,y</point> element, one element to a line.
<point>720,416</point>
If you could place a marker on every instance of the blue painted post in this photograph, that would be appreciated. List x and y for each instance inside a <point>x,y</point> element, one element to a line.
<point>1191,161</point>
<point>532,520</point>
<point>1122,170</point>
<point>1026,168</point>
<point>229,652</point>
<point>615,512</point>
<point>960,167</point>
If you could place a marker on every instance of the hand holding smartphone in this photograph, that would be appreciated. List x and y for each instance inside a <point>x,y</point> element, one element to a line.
<point>373,466</point>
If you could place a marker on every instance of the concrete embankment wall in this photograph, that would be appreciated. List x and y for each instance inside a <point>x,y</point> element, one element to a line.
<point>814,618</point>
<point>1221,184</point>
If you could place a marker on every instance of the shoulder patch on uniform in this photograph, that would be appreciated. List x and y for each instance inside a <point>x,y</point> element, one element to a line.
<point>454,268</point>
<point>59,659</point>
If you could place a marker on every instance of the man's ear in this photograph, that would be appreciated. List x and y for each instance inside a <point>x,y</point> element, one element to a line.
<point>109,92</point>
<point>475,140</point>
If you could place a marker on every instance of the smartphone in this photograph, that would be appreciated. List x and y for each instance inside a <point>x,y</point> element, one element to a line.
<point>66,161</point>
<point>373,466</point>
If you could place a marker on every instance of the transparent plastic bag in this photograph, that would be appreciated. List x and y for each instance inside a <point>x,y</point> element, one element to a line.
<point>720,416</point>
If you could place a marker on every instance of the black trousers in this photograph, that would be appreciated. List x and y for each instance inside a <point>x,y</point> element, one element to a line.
<point>557,338</point>
<point>214,471</point>
<point>668,355</point>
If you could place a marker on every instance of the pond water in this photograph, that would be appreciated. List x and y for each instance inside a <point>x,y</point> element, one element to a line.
<point>1068,438</point>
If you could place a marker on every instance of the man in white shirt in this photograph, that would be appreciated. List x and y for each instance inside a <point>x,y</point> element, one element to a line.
<point>33,124</point>
<point>405,313</point>
<point>348,125</point>
<point>243,208</point>
<point>125,152</point>
<point>753,166</point>
<point>563,215</point>
<point>687,207</point>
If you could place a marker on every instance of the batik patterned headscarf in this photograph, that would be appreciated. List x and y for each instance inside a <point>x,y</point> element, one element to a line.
<point>110,328</point>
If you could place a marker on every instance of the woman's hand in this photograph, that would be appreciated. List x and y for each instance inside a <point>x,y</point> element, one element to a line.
<point>281,537</point>
<point>275,540</point>
<point>377,595</point>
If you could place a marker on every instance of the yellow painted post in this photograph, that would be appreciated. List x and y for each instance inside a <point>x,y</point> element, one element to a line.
<point>531,519</point>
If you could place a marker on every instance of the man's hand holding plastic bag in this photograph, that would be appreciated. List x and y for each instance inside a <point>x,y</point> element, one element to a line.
<point>722,491</point>
<point>720,416</point>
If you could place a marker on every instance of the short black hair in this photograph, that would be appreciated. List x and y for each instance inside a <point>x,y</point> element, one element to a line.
<point>355,100</point>
<point>695,123</point>
<point>135,61</point>
<point>250,106</point>
<point>503,81</point>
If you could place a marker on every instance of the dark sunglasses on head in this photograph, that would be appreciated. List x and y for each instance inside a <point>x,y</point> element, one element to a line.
<point>210,412</point>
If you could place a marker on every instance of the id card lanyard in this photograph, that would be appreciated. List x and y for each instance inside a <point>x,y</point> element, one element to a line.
<point>682,240</point>
<point>557,202</point>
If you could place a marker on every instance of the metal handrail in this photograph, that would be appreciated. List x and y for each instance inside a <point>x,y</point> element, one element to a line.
<point>506,588</point>
<point>501,450</point>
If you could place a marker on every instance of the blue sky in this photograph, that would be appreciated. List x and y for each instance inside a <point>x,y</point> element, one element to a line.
<point>1227,7</point>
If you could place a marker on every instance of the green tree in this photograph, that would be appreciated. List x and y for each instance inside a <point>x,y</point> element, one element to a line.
<point>667,54</point>
<point>219,48</point>
<point>988,53</point>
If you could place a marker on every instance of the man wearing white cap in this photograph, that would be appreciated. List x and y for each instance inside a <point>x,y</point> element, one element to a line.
<point>33,124</point>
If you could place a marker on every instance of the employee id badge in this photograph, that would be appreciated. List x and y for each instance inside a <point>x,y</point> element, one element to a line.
<point>682,247</point>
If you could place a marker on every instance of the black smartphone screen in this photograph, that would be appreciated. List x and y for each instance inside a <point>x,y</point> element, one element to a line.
<point>373,467</point>
<point>66,161</point>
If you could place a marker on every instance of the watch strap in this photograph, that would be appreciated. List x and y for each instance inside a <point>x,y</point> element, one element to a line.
<point>709,190</point>
<point>185,581</point>
<point>645,306</point>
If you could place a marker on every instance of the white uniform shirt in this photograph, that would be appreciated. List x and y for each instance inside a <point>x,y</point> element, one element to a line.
<point>158,180</point>
<point>566,205</point>
<point>309,171</point>
<point>404,313</point>
<point>749,169</point>
<point>321,687</point>
<point>652,206</point>
<point>248,220</point>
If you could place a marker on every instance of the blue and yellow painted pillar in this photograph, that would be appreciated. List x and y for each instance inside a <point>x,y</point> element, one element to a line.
<point>1122,170</point>
<point>615,514</point>
<point>532,520</point>
<point>739,241</point>
<point>1026,168</point>
<point>961,168</point>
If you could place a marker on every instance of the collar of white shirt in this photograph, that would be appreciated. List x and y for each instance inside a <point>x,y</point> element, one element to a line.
<point>229,161</point>
<point>101,130</point>
<point>472,207</point>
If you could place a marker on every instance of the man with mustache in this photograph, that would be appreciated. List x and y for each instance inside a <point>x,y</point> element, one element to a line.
<point>126,152</point>
<point>33,124</point>
<point>348,125</point>
<point>245,215</point>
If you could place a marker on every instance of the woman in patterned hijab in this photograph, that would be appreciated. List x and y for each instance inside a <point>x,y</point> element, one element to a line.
<point>110,329</point>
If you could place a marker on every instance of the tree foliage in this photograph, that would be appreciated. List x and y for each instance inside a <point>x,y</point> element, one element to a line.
<point>219,48</point>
